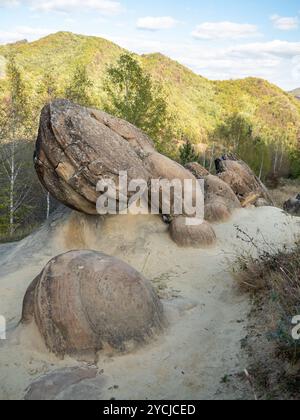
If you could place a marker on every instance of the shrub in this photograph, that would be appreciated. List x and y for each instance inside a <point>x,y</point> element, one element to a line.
<point>276,276</point>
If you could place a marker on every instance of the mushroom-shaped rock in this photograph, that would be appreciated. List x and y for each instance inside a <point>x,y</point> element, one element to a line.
<point>242,180</point>
<point>78,147</point>
<point>88,159</point>
<point>186,233</point>
<point>85,301</point>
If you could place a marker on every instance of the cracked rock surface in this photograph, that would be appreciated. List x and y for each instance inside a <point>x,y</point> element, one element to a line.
<point>245,184</point>
<point>77,147</point>
<point>85,301</point>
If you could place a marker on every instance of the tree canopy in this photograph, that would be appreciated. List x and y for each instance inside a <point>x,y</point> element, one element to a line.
<point>132,95</point>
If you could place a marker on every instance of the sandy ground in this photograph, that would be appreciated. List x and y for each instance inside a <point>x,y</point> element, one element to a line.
<point>207,315</point>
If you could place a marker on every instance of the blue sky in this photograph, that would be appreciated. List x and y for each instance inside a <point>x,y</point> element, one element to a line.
<point>219,39</point>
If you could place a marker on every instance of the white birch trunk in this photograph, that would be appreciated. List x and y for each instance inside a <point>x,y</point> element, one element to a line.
<point>12,190</point>
<point>276,160</point>
<point>261,166</point>
<point>48,206</point>
<point>212,158</point>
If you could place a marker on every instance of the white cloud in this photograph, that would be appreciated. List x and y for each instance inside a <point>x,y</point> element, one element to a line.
<point>109,7</point>
<point>277,48</point>
<point>224,30</point>
<point>156,23</point>
<point>10,3</point>
<point>275,61</point>
<point>285,23</point>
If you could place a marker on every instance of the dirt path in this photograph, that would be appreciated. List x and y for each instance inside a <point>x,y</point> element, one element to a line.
<point>201,349</point>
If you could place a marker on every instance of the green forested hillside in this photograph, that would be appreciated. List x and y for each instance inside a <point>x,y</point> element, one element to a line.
<point>198,104</point>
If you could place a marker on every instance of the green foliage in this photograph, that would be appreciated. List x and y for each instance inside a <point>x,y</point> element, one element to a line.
<point>79,88</point>
<point>295,164</point>
<point>235,132</point>
<point>15,164</point>
<point>187,153</point>
<point>236,135</point>
<point>23,177</point>
<point>18,107</point>
<point>4,204</point>
<point>133,96</point>
<point>197,104</point>
<point>48,87</point>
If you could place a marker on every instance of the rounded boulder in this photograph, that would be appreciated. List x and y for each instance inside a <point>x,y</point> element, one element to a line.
<point>86,301</point>
<point>187,233</point>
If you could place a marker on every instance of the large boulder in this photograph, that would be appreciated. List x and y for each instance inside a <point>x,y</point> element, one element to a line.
<point>79,147</point>
<point>192,236</point>
<point>220,200</point>
<point>85,301</point>
<point>163,168</point>
<point>242,180</point>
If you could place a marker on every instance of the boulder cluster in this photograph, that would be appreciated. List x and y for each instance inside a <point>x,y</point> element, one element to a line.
<point>85,301</point>
<point>243,182</point>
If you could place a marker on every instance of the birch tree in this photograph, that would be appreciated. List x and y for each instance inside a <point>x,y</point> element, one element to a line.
<point>79,88</point>
<point>48,91</point>
<point>132,95</point>
<point>14,129</point>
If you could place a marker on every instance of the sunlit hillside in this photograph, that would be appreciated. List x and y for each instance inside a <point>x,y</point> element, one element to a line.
<point>197,103</point>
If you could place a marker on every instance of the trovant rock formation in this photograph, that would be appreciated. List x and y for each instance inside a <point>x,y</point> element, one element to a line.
<point>78,147</point>
<point>220,200</point>
<point>85,301</point>
<point>242,180</point>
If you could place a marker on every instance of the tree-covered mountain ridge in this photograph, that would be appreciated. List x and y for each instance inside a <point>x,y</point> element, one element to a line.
<point>198,105</point>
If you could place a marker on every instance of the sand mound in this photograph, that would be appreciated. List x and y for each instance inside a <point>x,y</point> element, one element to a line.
<point>206,315</point>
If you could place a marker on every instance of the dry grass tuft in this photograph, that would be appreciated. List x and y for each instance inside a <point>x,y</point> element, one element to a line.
<point>273,282</point>
<point>276,278</point>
